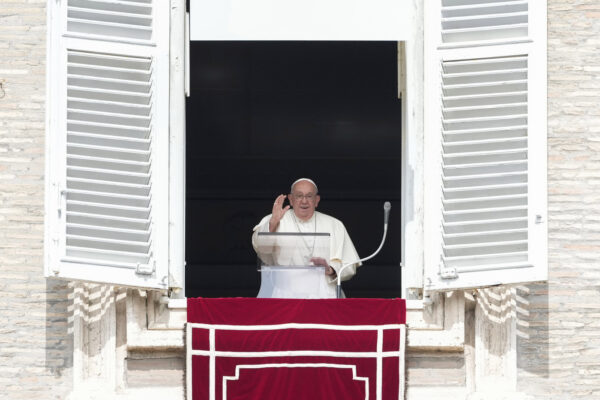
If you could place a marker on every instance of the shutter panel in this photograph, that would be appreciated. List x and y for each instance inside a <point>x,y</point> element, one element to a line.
<point>485,135</point>
<point>107,189</point>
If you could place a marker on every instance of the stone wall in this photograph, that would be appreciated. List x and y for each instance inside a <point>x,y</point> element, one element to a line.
<point>558,331</point>
<point>35,345</point>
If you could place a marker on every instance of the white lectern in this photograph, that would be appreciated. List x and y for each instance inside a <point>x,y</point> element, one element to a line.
<point>286,268</point>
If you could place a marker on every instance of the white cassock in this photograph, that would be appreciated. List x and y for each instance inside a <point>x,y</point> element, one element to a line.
<point>299,284</point>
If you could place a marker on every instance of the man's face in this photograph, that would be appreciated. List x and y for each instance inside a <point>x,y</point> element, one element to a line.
<point>304,199</point>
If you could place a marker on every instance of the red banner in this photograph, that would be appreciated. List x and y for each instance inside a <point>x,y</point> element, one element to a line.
<point>242,348</point>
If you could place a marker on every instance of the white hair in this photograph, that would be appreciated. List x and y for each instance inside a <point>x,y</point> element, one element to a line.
<point>307,180</point>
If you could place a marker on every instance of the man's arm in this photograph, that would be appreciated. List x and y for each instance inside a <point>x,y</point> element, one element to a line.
<point>270,223</point>
<point>344,252</point>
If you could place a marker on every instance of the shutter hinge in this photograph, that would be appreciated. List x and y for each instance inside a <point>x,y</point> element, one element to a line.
<point>146,269</point>
<point>54,267</point>
<point>62,198</point>
<point>447,272</point>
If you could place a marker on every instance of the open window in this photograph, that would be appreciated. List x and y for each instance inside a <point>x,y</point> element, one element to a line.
<point>264,113</point>
<point>474,164</point>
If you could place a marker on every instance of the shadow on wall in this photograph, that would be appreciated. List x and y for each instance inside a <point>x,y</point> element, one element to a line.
<point>532,330</point>
<point>527,306</point>
<point>59,327</point>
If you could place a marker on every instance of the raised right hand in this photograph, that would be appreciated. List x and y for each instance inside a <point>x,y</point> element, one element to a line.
<point>277,213</point>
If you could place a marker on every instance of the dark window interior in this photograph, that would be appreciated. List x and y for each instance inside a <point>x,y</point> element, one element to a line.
<point>262,114</point>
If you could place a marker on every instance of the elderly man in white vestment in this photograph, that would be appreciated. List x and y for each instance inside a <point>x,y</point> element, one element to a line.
<point>303,218</point>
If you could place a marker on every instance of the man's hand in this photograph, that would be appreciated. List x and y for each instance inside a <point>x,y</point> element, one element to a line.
<point>277,213</point>
<point>323,263</point>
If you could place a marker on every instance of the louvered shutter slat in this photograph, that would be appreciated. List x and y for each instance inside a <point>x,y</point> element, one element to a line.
<point>464,113</point>
<point>108,210</point>
<point>479,143</point>
<point>109,29</point>
<point>115,17</point>
<point>484,202</point>
<point>484,99</point>
<point>485,236</point>
<point>100,175</point>
<point>123,80</point>
<point>460,157</point>
<point>117,258</point>
<point>108,95</point>
<point>93,238</point>
<point>472,22</point>
<point>474,249</point>
<point>486,214</point>
<point>481,180</point>
<point>134,6</point>
<point>108,152</point>
<point>497,121</point>
<point>104,128</point>
<point>100,197</point>
<point>490,133</point>
<point>487,191</point>
<point>484,226</point>
<point>481,169</point>
<point>484,88</point>
<point>460,8</point>
<point>109,187</point>
<point>488,262</point>
<point>106,85</point>
<point>140,225</point>
<point>109,233</point>
<point>99,116</point>
<point>109,107</point>
<point>108,163</point>
<point>498,156</point>
<point>484,169</point>
<point>109,141</point>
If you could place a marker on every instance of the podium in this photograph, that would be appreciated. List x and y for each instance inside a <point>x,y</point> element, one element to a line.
<point>319,349</point>
<point>287,272</point>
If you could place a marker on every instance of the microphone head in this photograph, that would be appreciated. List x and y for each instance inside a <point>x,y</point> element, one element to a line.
<point>386,212</point>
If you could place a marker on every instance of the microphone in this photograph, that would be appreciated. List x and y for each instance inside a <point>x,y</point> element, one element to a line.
<point>386,212</point>
<point>386,215</point>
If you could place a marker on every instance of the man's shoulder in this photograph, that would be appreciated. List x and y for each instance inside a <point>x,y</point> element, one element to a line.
<point>329,218</point>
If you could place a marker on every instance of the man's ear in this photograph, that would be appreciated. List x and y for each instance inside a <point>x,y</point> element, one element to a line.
<point>289,197</point>
<point>317,199</point>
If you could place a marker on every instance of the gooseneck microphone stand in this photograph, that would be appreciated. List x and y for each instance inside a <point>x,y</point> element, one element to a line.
<point>386,215</point>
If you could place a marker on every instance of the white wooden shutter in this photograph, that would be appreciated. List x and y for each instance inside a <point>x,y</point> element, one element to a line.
<point>107,141</point>
<point>485,143</point>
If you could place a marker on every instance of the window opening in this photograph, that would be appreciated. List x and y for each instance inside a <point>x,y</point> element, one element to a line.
<point>262,114</point>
